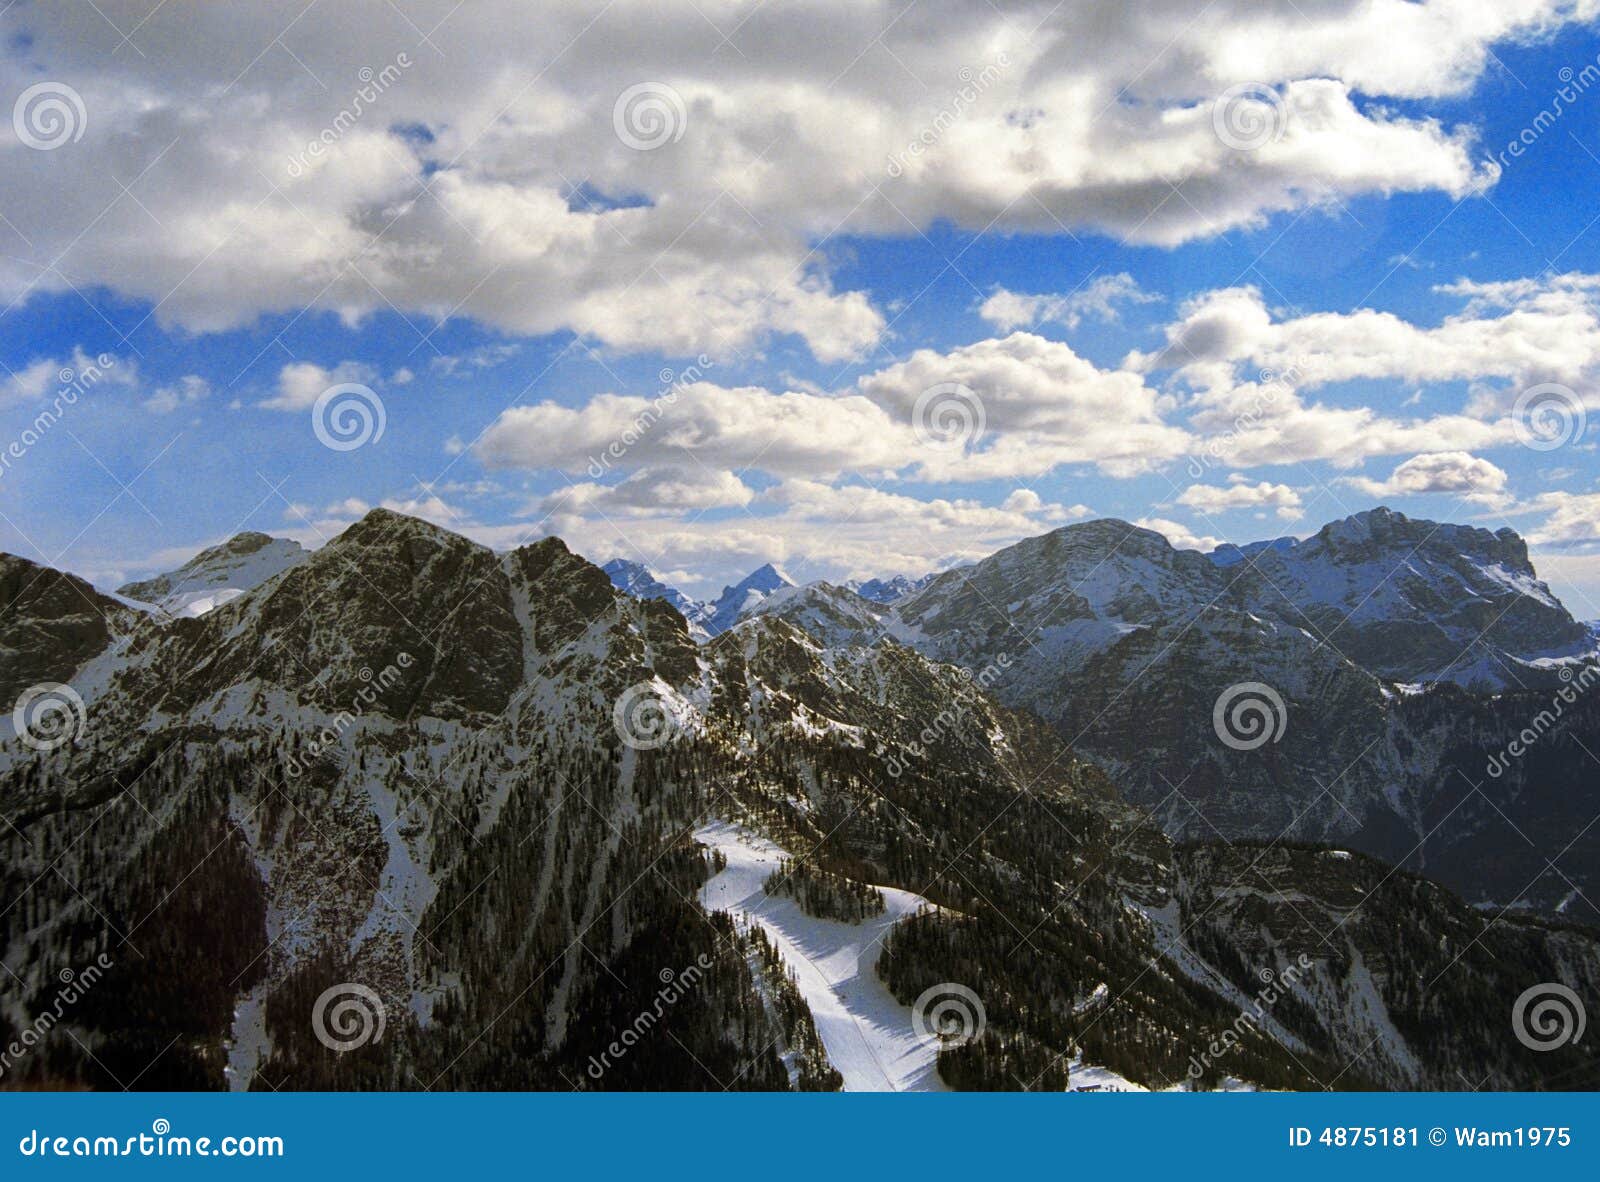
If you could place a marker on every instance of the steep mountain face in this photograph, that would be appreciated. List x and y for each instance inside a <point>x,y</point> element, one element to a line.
<point>635,579</point>
<point>1125,644</point>
<point>463,789</point>
<point>1415,601</point>
<point>50,624</point>
<point>213,577</point>
<point>743,597</point>
<point>1214,699</point>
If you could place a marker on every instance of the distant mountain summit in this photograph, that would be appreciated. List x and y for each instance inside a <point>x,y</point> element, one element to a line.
<point>217,575</point>
<point>744,597</point>
<point>888,590</point>
<point>636,579</point>
<point>1415,601</point>
<point>770,590</point>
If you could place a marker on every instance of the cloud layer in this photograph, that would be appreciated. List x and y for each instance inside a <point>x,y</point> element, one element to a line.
<point>661,177</point>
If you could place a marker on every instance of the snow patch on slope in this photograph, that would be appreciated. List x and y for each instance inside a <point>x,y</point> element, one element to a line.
<point>868,1035</point>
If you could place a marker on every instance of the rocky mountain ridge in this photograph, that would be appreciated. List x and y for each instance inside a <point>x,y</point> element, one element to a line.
<point>468,783</point>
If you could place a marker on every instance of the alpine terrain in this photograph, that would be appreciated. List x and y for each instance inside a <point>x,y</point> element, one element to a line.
<point>1093,813</point>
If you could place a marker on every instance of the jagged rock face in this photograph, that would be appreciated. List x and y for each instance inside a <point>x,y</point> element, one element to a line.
<point>1418,601</point>
<point>772,678</point>
<point>50,624</point>
<point>447,840</point>
<point>215,576</point>
<point>1126,646</point>
<point>1505,790</point>
<point>1083,583</point>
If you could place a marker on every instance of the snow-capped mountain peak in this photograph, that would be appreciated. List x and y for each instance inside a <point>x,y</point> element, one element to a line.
<point>637,580</point>
<point>744,596</point>
<point>217,575</point>
<point>1416,600</point>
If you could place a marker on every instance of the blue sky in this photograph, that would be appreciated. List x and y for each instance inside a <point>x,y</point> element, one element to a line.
<point>484,252</point>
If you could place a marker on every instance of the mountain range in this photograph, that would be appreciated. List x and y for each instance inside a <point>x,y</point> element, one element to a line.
<point>497,801</point>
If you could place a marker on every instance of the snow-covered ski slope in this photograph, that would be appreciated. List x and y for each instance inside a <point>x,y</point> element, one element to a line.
<point>869,1036</point>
